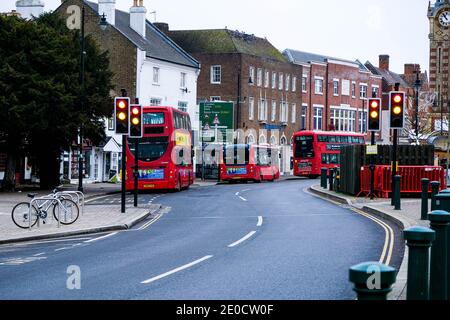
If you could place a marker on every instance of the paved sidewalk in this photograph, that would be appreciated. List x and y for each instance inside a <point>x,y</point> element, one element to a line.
<point>96,218</point>
<point>407,217</point>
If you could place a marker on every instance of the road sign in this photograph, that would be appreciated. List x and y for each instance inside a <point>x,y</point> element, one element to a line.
<point>216,117</point>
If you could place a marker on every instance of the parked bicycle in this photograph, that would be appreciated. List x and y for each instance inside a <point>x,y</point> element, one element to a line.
<point>64,209</point>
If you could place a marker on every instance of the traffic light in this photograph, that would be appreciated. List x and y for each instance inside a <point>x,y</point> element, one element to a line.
<point>374,114</point>
<point>397,109</point>
<point>136,121</point>
<point>121,109</point>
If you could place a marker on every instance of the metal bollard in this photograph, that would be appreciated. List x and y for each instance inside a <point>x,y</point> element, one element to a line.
<point>397,193</point>
<point>425,188</point>
<point>439,222</point>
<point>434,191</point>
<point>323,177</point>
<point>418,240</point>
<point>372,280</point>
<point>330,178</point>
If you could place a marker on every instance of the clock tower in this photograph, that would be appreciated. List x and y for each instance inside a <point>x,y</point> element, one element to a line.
<point>439,16</point>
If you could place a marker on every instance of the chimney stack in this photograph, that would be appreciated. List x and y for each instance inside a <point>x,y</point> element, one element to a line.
<point>138,17</point>
<point>384,62</point>
<point>30,8</point>
<point>108,7</point>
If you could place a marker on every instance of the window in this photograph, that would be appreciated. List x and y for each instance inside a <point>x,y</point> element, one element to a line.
<point>266,79</point>
<point>153,118</point>
<point>303,120</point>
<point>155,101</point>
<point>155,75</point>
<point>293,112</point>
<point>280,81</point>
<point>375,90</point>
<point>283,112</point>
<point>353,89</point>
<point>274,80</point>
<point>216,74</point>
<point>294,84</point>
<point>363,91</point>
<point>319,86</point>
<point>439,60</point>
<point>251,107</point>
<point>214,98</point>
<point>304,147</point>
<point>259,77</point>
<point>304,84</point>
<point>345,87</point>
<point>274,111</point>
<point>262,110</point>
<point>183,80</point>
<point>335,87</point>
<point>343,119</point>
<point>362,121</point>
<point>182,105</point>
<point>288,81</point>
<point>251,75</point>
<point>318,113</point>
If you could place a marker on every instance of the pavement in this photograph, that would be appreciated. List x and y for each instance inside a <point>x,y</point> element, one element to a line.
<point>266,241</point>
<point>92,219</point>
<point>407,217</point>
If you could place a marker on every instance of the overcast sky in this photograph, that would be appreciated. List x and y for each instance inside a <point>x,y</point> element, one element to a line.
<point>348,29</point>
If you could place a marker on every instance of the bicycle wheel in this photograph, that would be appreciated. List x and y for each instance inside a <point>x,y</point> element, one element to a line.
<point>68,211</point>
<point>21,215</point>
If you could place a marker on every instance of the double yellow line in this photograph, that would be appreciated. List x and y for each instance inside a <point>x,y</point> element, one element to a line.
<point>388,247</point>
<point>148,224</point>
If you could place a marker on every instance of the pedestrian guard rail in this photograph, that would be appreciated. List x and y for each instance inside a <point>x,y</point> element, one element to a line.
<point>410,182</point>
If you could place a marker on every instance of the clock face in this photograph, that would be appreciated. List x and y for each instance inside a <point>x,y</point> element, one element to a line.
<point>444,18</point>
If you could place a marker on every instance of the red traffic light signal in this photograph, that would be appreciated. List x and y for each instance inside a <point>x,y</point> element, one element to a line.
<point>397,109</point>
<point>374,114</point>
<point>136,125</point>
<point>121,109</point>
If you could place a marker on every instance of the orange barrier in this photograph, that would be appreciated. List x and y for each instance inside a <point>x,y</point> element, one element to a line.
<point>411,181</point>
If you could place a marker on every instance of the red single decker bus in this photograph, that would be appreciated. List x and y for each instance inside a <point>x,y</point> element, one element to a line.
<point>243,162</point>
<point>165,151</point>
<point>314,150</point>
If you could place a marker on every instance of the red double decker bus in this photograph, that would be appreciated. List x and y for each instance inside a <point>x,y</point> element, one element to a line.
<point>164,153</point>
<point>314,150</point>
<point>243,162</point>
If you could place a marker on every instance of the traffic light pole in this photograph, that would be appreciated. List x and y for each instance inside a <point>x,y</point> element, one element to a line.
<point>136,171</point>
<point>394,155</point>
<point>124,168</point>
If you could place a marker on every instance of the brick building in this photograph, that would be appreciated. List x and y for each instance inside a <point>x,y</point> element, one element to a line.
<point>144,61</point>
<point>253,74</point>
<point>334,92</point>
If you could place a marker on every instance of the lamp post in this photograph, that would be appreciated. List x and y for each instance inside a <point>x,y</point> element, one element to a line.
<point>82,83</point>
<point>417,86</point>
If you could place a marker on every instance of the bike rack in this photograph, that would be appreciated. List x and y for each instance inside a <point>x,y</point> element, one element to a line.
<point>79,195</point>
<point>47,198</point>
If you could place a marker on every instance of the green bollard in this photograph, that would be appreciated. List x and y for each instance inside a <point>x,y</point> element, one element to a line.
<point>439,222</point>
<point>418,240</point>
<point>372,280</point>
<point>425,188</point>
<point>434,191</point>
<point>323,177</point>
<point>397,193</point>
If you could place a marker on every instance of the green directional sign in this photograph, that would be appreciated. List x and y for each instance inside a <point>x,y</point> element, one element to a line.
<point>215,119</point>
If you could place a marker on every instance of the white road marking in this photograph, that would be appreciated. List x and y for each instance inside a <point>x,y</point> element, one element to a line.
<point>176,270</point>
<point>100,238</point>
<point>97,198</point>
<point>48,241</point>
<point>237,193</point>
<point>148,224</point>
<point>64,248</point>
<point>19,261</point>
<point>38,254</point>
<point>234,244</point>
<point>243,199</point>
<point>260,221</point>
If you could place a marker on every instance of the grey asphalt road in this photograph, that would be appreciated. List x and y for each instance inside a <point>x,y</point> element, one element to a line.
<point>244,241</point>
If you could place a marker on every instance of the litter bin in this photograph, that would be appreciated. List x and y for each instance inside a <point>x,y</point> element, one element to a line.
<point>443,201</point>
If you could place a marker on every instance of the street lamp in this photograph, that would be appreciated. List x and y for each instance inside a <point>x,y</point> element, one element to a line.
<point>103,24</point>
<point>417,86</point>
